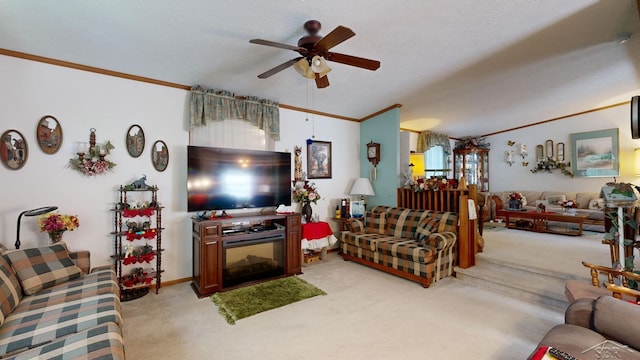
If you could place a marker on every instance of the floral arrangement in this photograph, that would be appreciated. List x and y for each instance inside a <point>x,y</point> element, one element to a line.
<point>516,196</point>
<point>93,162</point>
<point>304,192</point>
<point>56,222</point>
<point>434,183</point>
<point>568,204</point>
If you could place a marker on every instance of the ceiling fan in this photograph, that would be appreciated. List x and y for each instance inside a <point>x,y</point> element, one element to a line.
<point>314,51</point>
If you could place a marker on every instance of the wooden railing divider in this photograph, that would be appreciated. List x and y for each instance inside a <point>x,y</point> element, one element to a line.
<point>453,200</point>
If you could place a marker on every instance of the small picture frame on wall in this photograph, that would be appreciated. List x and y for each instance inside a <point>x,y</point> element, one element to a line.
<point>160,155</point>
<point>319,160</point>
<point>49,134</point>
<point>13,150</point>
<point>135,140</point>
<point>595,153</point>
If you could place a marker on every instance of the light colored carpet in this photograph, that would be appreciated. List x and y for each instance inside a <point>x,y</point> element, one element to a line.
<point>551,252</point>
<point>367,314</point>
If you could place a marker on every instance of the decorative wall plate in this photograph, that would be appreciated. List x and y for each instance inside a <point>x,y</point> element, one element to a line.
<point>49,134</point>
<point>135,140</point>
<point>13,149</point>
<point>160,155</point>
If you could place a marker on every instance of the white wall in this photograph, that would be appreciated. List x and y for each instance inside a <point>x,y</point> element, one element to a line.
<point>82,100</point>
<point>517,177</point>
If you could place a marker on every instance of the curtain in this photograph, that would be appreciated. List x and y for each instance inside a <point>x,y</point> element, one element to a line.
<point>210,105</point>
<point>428,139</point>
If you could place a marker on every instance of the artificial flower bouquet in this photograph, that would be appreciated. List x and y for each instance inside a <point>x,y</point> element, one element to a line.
<point>304,192</point>
<point>56,222</point>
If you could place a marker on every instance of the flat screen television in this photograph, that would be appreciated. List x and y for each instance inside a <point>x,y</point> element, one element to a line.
<point>227,179</point>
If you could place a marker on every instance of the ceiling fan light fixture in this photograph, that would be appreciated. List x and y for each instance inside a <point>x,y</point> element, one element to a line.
<point>319,65</point>
<point>302,67</point>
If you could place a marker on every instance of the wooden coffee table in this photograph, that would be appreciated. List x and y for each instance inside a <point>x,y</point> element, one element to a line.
<point>539,221</point>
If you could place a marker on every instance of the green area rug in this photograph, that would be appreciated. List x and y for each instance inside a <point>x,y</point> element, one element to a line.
<point>250,300</point>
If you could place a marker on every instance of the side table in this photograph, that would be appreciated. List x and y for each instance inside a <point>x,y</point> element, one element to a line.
<point>342,223</point>
<point>317,236</point>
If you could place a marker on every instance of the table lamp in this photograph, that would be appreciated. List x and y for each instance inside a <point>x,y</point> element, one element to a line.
<point>32,212</point>
<point>362,187</point>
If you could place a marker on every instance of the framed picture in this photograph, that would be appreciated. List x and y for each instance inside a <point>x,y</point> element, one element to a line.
<point>49,134</point>
<point>160,155</point>
<point>319,160</point>
<point>595,153</point>
<point>135,140</point>
<point>13,149</point>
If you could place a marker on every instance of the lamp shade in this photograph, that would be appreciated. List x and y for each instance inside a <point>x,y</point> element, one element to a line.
<point>362,186</point>
<point>319,66</point>
<point>303,68</point>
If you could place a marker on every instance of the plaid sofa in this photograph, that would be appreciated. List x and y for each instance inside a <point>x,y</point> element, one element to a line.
<point>418,245</point>
<point>53,307</point>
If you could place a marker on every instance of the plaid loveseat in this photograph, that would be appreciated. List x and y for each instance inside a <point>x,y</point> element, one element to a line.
<point>53,307</point>
<point>418,245</point>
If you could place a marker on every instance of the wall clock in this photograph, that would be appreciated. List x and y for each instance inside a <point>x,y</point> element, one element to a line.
<point>373,153</point>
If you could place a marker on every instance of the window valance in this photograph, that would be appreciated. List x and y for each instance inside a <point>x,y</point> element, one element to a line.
<point>216,105</point>
<point>428,139</point>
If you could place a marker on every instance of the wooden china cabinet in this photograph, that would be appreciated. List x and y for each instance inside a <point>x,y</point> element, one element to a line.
<point>473,163</point>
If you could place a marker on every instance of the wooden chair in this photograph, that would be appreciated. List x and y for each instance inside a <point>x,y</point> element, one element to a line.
<point>576,289</point>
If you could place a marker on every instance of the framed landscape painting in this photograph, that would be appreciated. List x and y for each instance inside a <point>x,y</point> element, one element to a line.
<point>595,153</point>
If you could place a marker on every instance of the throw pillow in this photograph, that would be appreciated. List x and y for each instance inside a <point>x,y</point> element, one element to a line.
<point>596,204</point>
<point>556,200</point>
<point>10,292</point>
<point>375,223</point>
<point>43,267</point>
<point>423,230</point>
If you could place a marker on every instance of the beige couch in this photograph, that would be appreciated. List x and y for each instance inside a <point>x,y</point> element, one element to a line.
<point>588,203</point>
<point>603,328</point>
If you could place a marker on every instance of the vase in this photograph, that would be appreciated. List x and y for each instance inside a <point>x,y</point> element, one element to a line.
<point>307,211</point>
<point>55,236</point>
<point>514,204</point>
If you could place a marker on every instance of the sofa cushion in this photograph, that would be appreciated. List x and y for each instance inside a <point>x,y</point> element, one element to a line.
<point>10,291</point>
<point>596,204</point>
<point>363,240</point>
<point>100,342</point>
<point>43,267</point>
<point>375,222</point>
<point>583,198</point>
<point>423,230</point>
<point>96,283</point>
<point>555,200</point>
<point>402,223</point>
<point>405,249</point>
<point>29,328</point>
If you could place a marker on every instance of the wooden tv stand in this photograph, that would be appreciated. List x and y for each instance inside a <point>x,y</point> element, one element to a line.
<point>209,236</point>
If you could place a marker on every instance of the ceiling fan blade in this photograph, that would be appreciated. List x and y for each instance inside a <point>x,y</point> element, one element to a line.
<point>279,45</point>
<point>279,68</point>
<point>353,60</point>
<point>322,82</point>
<point>334,38</point>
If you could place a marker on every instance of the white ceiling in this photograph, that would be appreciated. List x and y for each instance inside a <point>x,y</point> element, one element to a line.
<point>459,67</point>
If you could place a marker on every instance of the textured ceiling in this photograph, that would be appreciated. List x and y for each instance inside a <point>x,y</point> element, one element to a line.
<point>462,68</point>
